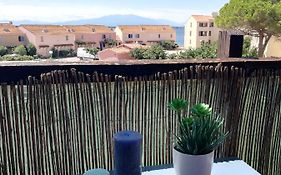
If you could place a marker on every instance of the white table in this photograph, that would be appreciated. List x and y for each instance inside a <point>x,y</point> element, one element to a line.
<point>236,167</point>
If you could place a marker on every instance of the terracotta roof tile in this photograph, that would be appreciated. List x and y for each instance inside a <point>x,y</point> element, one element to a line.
<point>202,17</point>
<point>9,29</point>
<point>88,29</point>
<point>146,28</point>
<point>46,29</point>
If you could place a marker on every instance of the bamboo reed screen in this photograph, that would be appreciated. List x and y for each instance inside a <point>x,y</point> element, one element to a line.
<point>63,123</point>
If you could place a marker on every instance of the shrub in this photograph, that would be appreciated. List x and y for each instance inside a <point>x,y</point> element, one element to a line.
<point>93,51</point>
<point>31,50</point>
<point>248,51</point>
<point>20,50</point>
<point>153,52</point>
<point>3,50</point>
<point>168,45</point>
<point>205,51</point>
<point>110,42</point>
<point>16,58</point>
<point>63,53</point>
<point>138,53</point>
<point>172,56</point>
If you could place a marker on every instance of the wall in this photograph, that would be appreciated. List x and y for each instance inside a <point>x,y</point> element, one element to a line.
<point>94,37</point>
<point>12,40</point>
<point>145,37</point>
<point>274,47</point>
<point>195,38</point>
<point>194,32</point>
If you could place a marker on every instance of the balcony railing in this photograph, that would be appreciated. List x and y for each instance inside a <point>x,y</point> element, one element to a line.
<point>63,121</point>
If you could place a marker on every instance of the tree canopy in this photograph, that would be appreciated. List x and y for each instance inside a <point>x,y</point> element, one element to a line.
<point>261,18</point>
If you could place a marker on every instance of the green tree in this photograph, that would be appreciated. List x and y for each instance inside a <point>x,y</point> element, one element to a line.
<point>31,50</point>
<point>20,50</point>
<point>253,17</point>
<point>168,45</point>
<point>93,51</point>
<point>110,42</point>
<point>137,53</point>
<point>155,52</point>
<point>3,50</point>
<point>248,51</point>
<point>205,51</point>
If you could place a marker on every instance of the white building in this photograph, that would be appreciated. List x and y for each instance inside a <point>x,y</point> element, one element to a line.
<point>200,29</point>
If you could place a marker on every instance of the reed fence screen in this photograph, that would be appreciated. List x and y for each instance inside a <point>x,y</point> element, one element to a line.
<point>63,123</point>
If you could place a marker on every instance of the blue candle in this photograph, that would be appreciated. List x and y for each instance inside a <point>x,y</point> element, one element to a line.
<point>127,153</point>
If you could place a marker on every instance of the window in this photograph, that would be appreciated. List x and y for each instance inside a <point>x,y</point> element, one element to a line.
<point>82,36</point>
<point>66,38</point>
<point>190,33</point>
<point>189,41</point>
<point>137,35</point>
<point>171,35</point>
<point>210,33</point>
<point>203,24</point>
<point>130,35</point>
<point>159,36</point>
<point>191,24</point>
<point>42,39</point>
<point>209,42</point>
<point>103,36</point>
<point>21,38</point>
<point>203,33</point>
<point>211,24</point>
<point>6,30</point>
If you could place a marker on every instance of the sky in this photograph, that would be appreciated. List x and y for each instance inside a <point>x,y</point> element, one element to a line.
<point>67,10</point>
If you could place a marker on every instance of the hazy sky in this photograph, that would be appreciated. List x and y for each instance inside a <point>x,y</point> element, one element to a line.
<point>64,10</point>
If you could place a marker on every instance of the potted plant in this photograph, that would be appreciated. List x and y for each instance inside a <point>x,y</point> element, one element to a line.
<point>198,135</point>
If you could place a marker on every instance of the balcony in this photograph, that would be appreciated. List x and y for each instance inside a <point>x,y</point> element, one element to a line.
<point>61,120</point>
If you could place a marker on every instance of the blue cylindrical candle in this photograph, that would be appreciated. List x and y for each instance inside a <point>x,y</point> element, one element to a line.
<point>127,153</point>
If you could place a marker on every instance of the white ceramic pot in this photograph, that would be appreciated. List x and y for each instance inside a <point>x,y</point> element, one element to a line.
<point>185,164</point>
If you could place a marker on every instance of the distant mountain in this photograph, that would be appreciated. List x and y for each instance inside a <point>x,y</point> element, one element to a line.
<point>111,20</point>
<point>114,20</point>
<point>28,22</point>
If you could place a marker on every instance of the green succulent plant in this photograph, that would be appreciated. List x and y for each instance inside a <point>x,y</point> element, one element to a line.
<point>199,133</point>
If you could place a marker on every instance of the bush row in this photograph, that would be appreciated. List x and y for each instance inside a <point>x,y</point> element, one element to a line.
<point>22,50</point>
<point>16,58</point>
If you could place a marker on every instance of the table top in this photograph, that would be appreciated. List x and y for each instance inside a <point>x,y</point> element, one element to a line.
<point>232,167</point>
<point>221,166</point>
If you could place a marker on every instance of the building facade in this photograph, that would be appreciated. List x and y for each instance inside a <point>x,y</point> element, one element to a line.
<point>200,29</point>
<point>145,34</point>
<point>48,37</point>
<point>11,36</point>
<point>91,35</point>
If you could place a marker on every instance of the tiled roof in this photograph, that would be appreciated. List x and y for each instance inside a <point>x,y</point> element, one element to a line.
<point>88,29</point>
<point>146,28</point>
<point>9,29</point>
<point>124,48</point>
<point>133,46</point>
<point>46,29</point>
<point>202,17</point>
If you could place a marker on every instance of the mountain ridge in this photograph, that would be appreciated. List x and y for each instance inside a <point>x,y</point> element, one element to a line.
<point>109,20</point>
